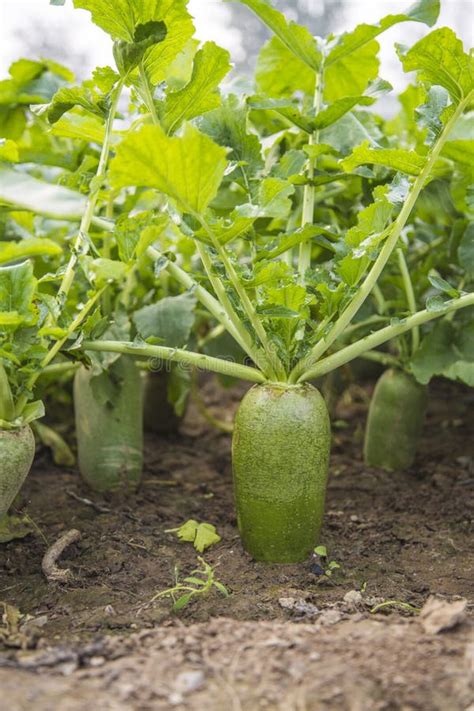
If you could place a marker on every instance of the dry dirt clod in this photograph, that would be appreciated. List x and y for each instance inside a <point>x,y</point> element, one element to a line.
<point>49,565</point>
<point>439,615</point>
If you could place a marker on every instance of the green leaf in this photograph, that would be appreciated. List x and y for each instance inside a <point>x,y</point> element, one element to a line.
<point>466,250</point>
<point>206,536</point>
<point>296,38</point>
<point>439,59</point>
<point>67,98</point>
<point>280,73</point>
<point>321,551</point>
<point>201,94</point>
<point>103,271</point>
<point>17,288</point>
<point>447,350</point>
<point>135,234</point>
<point>128,55</point>
<point>182,601</point>
<point>443,285</point>
<point>353,62</point>
<point>170,319</point>
<point>340,107</point>
<point>273,200</point>
<point>202,535</point>
<point>32,411</point>
<point>188,168</point>
<point>227,126</point>
<point>22,191</point>
<point>32,247</point>
<point>398,159</point>
<point>461,151</point>
<point>9,151</point>
<point>120,19</point>
<point>79,126</point>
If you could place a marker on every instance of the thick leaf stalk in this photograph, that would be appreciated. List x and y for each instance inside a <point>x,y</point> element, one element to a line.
<point>395,421</point>
<point>110,429</point>
<point>280,454</point>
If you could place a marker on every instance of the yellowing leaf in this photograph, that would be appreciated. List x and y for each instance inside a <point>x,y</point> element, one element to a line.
<point>188,168</point>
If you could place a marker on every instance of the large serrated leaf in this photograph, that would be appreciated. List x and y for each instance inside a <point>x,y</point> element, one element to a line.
<point>439,59</point>
<point>188,168</point>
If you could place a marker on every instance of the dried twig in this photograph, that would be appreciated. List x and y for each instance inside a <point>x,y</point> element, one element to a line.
<point>49,563</point>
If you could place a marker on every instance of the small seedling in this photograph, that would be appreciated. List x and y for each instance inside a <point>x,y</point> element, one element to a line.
<point>327,567</point>
<point>202,535</point>
<point>199,583</point>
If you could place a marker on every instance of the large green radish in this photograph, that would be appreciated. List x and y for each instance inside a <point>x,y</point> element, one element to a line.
<point>280,454</point>
<point>395,420</point>
<point>17,450</point>
<point>109,426</point>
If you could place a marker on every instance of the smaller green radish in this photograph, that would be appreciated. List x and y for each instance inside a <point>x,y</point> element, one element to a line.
<point>17,450</point>
<point>109,426</point>
<point>395,421</point>
<point>17,447</point>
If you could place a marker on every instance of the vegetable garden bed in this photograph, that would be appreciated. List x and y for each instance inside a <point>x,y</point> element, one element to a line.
<point>159,221</point>
<point>398,538</point>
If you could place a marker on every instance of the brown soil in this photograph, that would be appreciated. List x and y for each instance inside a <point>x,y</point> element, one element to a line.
<point>289,640</point>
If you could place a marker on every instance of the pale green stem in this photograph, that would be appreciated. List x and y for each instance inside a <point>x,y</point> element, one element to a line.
<point>177,355</point>
<point>60,368</point>
<point>87,217</point>
<point>371,279</point>
<point>380,299</point>
<point>382,358</point>
<point>245,340</point>
<point>7,407</point>
<point>410,296</point>
<point>304,259</point>
<point>278,370</point>
<point>345,355</point>
<point>147,95</point>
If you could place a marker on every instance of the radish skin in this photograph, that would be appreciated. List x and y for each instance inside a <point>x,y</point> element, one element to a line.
<point>17,450</point>
<point>110,438</point>
<point>280,454</point>
<point>395,421</point>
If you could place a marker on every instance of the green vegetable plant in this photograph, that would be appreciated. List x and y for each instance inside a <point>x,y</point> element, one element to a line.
<point>294,200</point>
<point>249,204</point>
<point>201,581</point>
<point>432,269</point>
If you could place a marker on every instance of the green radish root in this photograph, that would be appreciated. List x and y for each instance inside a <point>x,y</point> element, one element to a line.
<point>109,426</point>
<point>395,421</point>
<point>17,450</point>
<point>280,453</point>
